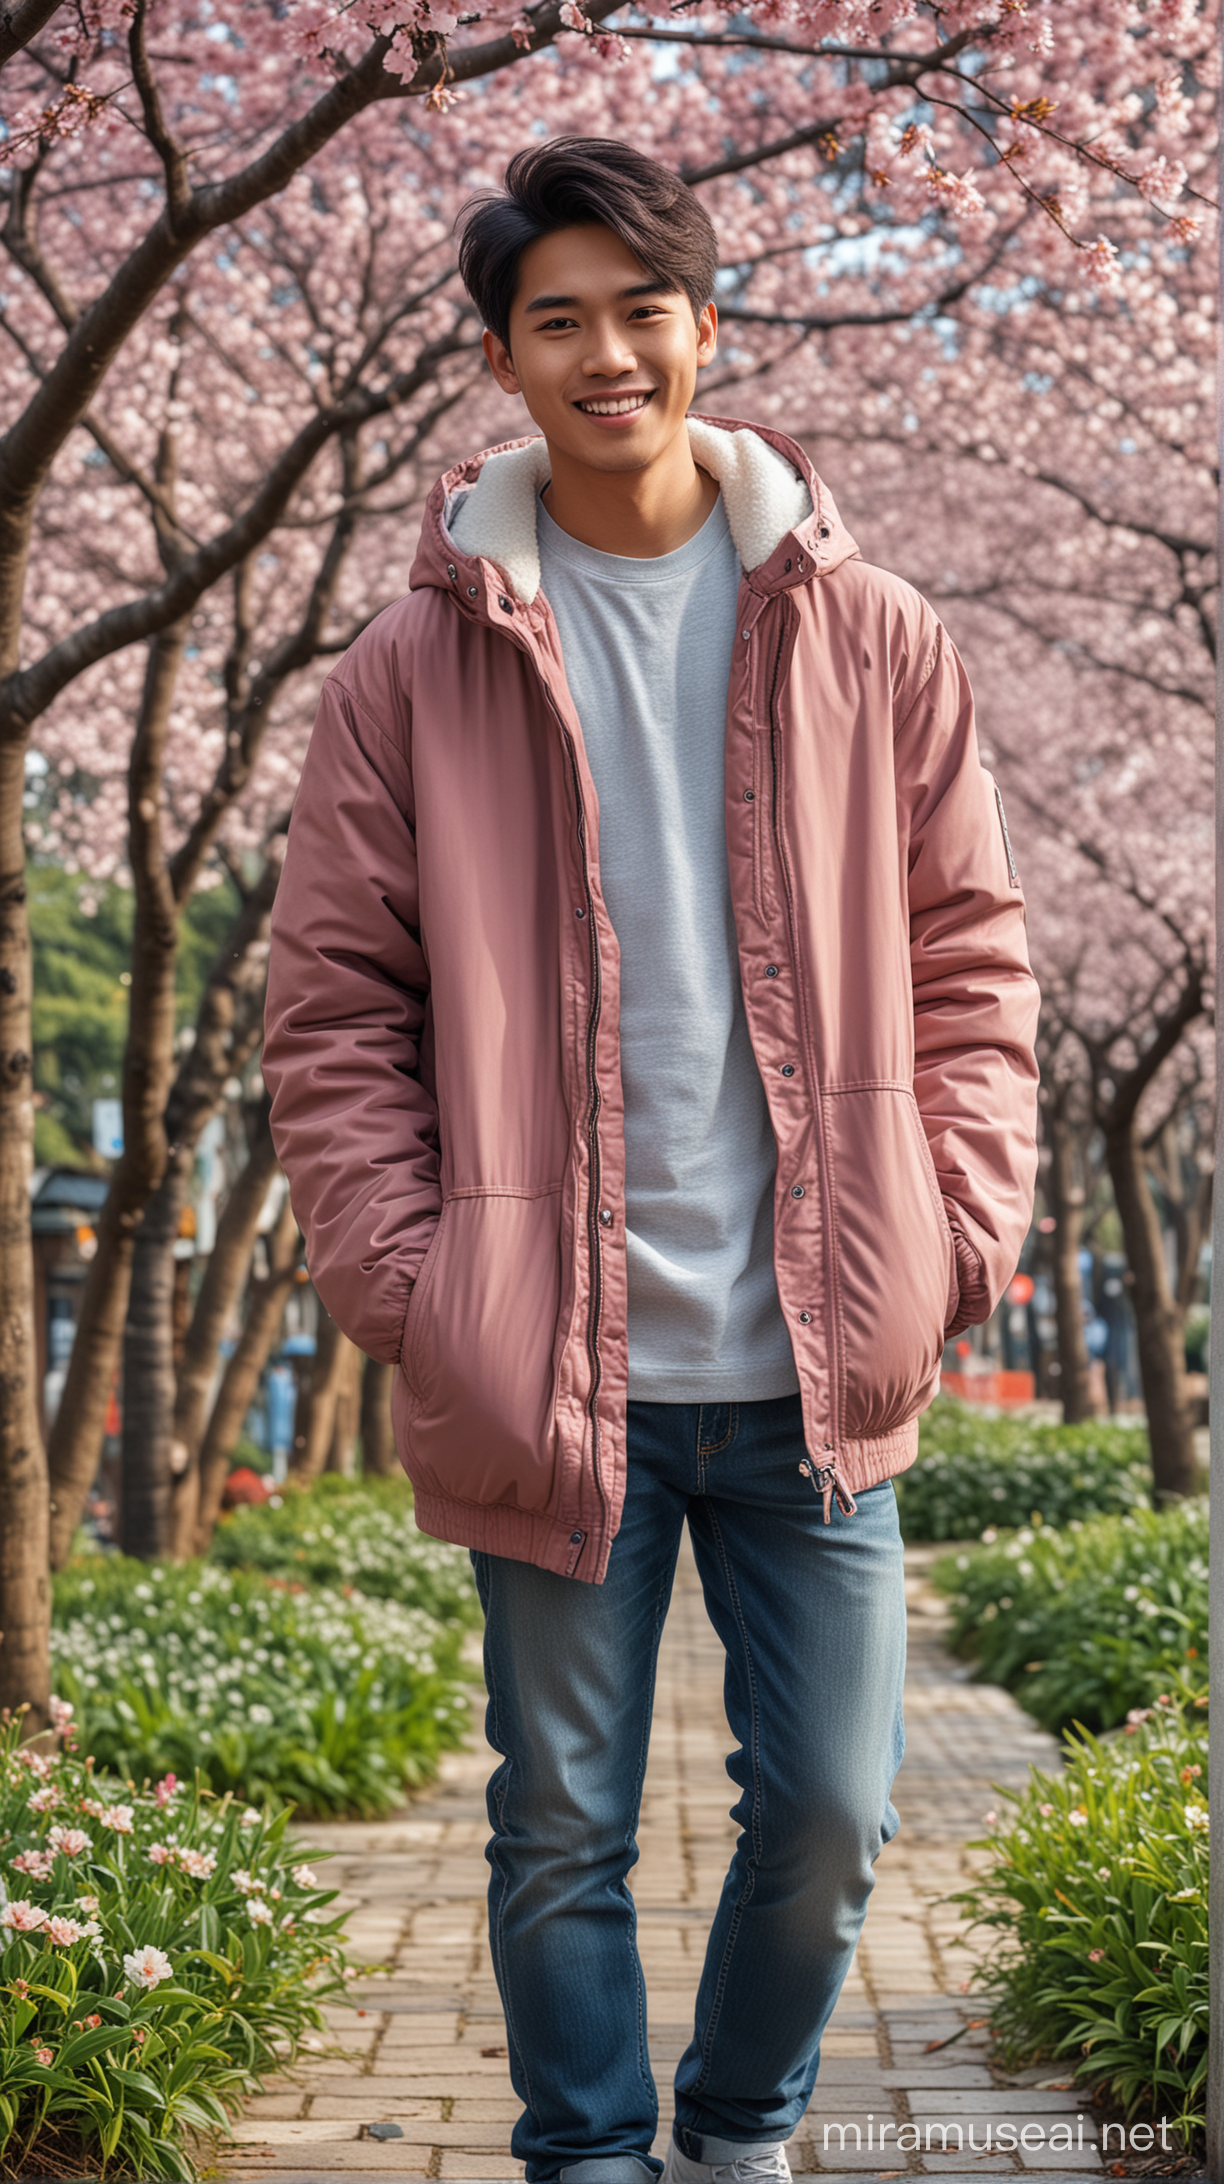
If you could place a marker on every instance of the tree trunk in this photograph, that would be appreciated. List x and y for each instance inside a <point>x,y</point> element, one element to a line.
<point>1067,1206</point>
<point>1158,1320</point>
<point>266,1299</point>
<point>228,1265</point>
<point>146,1479</point>
<point>378,1456</point>
<point>315,1422</point>
<point>75,1441</point>
<point>342,1454</point>
<point>25,1615</point>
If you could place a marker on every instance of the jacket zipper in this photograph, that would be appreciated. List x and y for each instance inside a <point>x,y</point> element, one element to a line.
<point>595,1299</point>
<point>823,1476</point>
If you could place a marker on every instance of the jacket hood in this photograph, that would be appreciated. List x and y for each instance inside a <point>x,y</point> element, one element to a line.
<point>782,518</point>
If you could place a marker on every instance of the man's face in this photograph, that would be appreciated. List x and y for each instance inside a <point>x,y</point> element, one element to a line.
<point>605,360</point>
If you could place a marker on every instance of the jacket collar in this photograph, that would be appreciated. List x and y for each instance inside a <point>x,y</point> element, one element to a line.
<point>782,518</point>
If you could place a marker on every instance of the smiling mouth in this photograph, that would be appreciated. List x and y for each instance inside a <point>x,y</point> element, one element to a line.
<point>614,405</point>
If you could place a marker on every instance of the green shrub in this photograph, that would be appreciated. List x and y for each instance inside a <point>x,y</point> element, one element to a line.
<point>334,1701</point>
<point>1085,1623</point>
<point>973,1470</point>
<point>1097,1888</point>
<point>352,1532</point>
<point>161,1951</point>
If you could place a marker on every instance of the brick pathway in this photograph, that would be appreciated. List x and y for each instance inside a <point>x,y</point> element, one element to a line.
<point>429,2057</point>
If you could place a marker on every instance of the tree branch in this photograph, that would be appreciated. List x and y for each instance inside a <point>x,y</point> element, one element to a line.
<point>168,149</point>
<point>21,23</point>
<point>26,694</point>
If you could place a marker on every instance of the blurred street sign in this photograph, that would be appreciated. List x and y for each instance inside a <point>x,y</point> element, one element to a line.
<point>108,1128</point>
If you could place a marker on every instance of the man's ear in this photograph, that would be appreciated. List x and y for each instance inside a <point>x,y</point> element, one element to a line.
<point>707,335</point>
<point>500,362</point>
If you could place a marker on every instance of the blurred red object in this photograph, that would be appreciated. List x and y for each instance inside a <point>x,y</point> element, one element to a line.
<point>997,1388</point>
<point>245,1489</point>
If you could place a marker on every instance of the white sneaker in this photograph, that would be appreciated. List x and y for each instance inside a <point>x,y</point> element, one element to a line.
<point>751,2165</point>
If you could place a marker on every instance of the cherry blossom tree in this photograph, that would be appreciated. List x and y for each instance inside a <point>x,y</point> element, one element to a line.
<point>866,165</point>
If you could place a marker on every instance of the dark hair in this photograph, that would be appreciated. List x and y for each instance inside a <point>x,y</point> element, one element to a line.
<point>578,182</point>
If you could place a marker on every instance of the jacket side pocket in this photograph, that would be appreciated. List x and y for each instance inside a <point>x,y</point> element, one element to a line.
<point>416,1299</point>
<point>928,1163</point>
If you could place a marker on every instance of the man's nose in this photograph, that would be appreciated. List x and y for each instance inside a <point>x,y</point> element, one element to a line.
<point>609,356</point>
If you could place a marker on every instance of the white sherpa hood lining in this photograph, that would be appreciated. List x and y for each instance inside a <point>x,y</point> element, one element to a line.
<point>495,520</point>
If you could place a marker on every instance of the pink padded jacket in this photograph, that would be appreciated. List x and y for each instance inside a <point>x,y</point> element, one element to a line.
<point>442,1043</point>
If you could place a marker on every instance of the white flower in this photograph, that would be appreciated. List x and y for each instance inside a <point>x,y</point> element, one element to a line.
<point>162,1853</point>
<point>1078,1817</point>
<point>245,1883</point>
<point>258,1912</point>
<point>148,1966</point>
<point>198,1863</point>
<point>22,1916</point>
<point>45,1800</point>
<point>1197,1818</point>
<point>305,1876</point>
<point>118,1817</point>
<point>250,1818</point>
<point>72,1841</point>
<point>64,1932</point>
<point>61,1713</point>
<point>87,1904</point>
<point>39,1864</point>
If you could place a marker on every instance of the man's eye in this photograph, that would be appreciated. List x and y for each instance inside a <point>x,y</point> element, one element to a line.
<point>549,324</point>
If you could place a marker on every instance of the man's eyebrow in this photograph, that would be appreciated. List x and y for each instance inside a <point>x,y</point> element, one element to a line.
<point>560,303</point>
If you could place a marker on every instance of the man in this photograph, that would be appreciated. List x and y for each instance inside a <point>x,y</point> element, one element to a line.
<point>650,1037</point>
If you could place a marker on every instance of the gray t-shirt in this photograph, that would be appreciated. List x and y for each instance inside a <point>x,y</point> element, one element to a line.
<point>647,647</point>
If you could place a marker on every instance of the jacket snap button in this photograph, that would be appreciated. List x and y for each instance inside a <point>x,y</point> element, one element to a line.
<point>576,1538</point>
<point>788,568</point>
<point>472,590</point>
<point>825,531</point>
<point>805,1319</point>
<point>788,1069</point>
<point>797,1191</point>
<point>749,796</point>
<point>745,634</point>
<point>505,605</point>
<point>580,913</point>
<point>606,1218</point>
<point>771,970</point>
<point>451,571</point>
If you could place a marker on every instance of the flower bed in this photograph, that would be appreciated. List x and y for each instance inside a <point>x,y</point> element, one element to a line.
<point>352,1532</point>
<point>161,1951</point>
<point>973,1471</point>
<point>333,1700</point>
<point>1097,1890</point>
<point>1086,1623</point>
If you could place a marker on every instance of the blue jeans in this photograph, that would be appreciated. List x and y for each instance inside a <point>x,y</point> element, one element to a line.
<point>812,1619</point>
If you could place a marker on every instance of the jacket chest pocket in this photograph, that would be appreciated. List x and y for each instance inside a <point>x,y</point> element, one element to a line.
<point>766,897</point>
